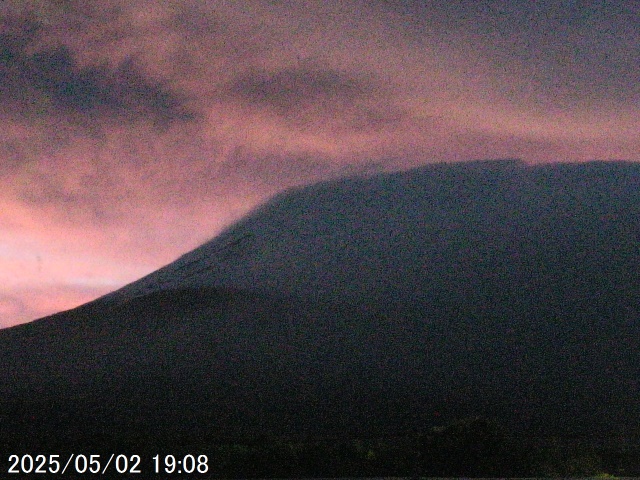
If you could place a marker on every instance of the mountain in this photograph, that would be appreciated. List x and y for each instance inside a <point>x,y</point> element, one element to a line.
<point>368,306</point>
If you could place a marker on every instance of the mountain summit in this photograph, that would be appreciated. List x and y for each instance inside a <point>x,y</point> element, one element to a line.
<point>375,305</point>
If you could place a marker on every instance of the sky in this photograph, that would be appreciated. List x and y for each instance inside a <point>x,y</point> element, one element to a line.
<point>135,130</point>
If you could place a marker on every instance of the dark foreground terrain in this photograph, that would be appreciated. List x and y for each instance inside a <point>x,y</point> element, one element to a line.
<point>334,328</point>
<point>473,447</point>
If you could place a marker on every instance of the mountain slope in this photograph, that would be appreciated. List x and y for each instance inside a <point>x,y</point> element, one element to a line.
<point>438,230</point>
<point>373,305</point>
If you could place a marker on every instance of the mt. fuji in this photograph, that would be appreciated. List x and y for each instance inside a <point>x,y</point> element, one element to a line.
<point>374,305</point>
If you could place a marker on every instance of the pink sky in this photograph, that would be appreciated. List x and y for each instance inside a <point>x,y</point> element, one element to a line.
<point>133,131</point>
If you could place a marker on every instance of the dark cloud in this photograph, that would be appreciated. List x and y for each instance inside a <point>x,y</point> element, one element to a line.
<point>563,48</point>
<point>292,88</point>
<point>307,95</point>
<point>53,79</point>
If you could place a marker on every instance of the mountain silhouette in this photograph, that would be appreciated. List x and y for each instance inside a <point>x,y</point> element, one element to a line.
<point>370,306</point>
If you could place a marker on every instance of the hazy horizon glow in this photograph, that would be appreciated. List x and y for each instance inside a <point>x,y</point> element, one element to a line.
<point>133,131</point>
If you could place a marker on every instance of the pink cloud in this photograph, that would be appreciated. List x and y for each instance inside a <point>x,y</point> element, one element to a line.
<point>24,305</point>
